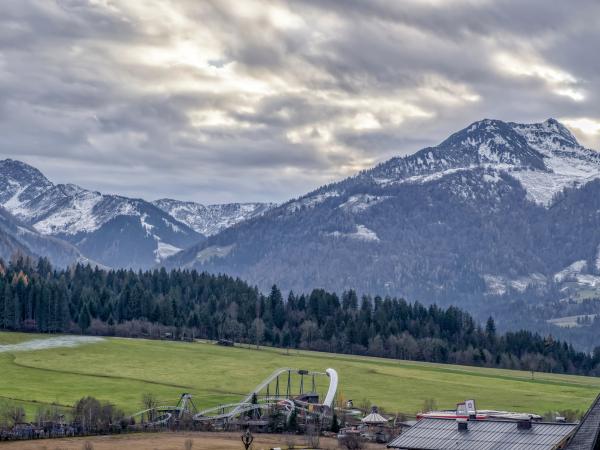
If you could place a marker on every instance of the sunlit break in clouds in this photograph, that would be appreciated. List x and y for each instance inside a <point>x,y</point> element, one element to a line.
<point>218,101</point>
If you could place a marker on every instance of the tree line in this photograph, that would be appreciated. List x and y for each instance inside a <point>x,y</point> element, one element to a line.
<point>185,303</point>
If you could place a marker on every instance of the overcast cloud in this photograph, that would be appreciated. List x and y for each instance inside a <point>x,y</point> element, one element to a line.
<point>243,100</point>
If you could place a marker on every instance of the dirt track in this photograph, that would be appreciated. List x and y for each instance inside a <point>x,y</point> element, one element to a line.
<point>168,441</point>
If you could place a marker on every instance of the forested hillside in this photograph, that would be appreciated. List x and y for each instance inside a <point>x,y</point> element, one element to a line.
<point>497,211</point>
<point>35,297</point>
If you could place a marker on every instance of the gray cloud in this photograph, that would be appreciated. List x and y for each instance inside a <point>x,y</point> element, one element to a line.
<point>264,100</point>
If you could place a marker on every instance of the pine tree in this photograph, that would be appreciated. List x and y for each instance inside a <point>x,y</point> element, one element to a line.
<point>4,294</point>
<point>84,320</point>
<point>16,323</point>
<point>490,332</point>
<point>9,308</point>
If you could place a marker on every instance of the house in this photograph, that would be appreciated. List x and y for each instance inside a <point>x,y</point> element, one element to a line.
<point>446,434</point>
<point>587,434</point>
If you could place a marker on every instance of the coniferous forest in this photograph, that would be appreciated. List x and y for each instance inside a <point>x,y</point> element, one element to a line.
<point>186,304</point>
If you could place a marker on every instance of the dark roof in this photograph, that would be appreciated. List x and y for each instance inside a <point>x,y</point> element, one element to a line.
<point>443,434</point>
<point>586,434</point>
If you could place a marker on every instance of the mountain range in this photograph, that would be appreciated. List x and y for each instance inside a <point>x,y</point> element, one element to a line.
<point>498,215</point>
<point>498,209</point>
<point>112,230</point>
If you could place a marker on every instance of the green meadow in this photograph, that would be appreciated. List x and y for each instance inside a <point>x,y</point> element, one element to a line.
<point>121,370</point>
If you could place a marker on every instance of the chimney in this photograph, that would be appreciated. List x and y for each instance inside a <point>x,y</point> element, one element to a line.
<point>524,425</point>
<point>463,424</point>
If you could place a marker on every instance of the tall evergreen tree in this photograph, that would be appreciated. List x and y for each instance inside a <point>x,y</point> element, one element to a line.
<point>84,319</point>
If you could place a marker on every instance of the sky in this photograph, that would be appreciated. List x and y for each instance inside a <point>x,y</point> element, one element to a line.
<point>249,100</point>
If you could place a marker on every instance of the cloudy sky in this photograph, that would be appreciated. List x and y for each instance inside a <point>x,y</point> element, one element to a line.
<point>242,100</point>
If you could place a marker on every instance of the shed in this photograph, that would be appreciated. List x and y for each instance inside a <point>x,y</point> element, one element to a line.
<point>446,434</point>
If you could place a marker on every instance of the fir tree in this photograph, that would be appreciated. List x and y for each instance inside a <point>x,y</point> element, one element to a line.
<point>84,319</point>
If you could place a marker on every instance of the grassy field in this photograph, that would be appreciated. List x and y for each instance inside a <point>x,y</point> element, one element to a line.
<point>121,370</point>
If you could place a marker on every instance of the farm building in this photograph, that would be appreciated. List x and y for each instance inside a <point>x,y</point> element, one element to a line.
<point>446,434</point>
<point>587,434</point>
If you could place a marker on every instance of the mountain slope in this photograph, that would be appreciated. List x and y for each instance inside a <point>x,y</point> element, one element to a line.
<point>18,238</point>
<point>475,216</point>
<point>113,230</point>
<point>210,219</point>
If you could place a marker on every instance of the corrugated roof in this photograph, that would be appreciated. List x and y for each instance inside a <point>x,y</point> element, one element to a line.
<point>443,434</point>
<point>586,435</point>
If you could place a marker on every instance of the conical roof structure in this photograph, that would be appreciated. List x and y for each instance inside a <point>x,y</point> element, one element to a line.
<point>374,418</point>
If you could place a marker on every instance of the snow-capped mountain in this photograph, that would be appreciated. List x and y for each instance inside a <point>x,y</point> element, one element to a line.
<point>210,219</point>
<point>18,238</point>
<point>113,230</point>
<point>544,157</point>
<point>484,213</point>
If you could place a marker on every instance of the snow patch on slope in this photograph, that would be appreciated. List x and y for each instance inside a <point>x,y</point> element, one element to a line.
<point>312,201</point>
<point>79,217</point>
<point>211,219</point>
<point>569,164</point>
<point>575,272</point>
<point>145,225</point>
<point>361,202</point>
<point>164,250</point>
<point>571,271</point>
<point>214,251</point>
<point>362,233</point>
<point>499,285</point>
<point>365,234</point>
<point>541,187</point>
<point>14,202</point>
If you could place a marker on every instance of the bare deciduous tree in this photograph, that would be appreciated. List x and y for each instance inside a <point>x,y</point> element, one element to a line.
<point>149,402</point>
<point>352,442</point>
<point>13,414</point>
<point>312,434</point>
<point>429,404</point>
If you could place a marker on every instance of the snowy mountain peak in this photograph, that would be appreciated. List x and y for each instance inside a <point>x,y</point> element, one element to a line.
<point>114,230</point>
<point>547,136</point>
<point>554,126</point>
<point>491,142</point>
<point>545,157</point>
<point>20,183</point>
<point>70,189</point>
<point>487,143</point>
<point>19,169</point>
